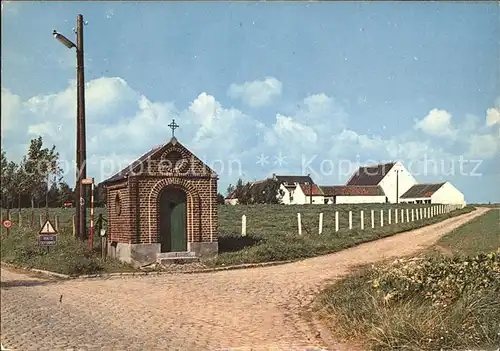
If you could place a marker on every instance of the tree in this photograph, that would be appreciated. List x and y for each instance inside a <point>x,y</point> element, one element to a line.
<point>39,164</point>
<point>230,189</point>
<point>100,195</point>
<point>243,192</point>
<point>267,192</point>
<point>9,186</point>
<point>220,199</point>
<point>66,194</point>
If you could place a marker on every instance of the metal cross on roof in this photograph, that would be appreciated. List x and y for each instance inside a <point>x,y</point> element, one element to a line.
<point>173,126</point>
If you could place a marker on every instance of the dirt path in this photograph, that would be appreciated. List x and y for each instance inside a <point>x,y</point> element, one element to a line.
<point>253,309</point>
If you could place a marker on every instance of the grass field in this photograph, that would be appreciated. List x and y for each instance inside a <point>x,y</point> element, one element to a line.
<point>478,236</point>
<point>440,302</point>
<point>272,234</point>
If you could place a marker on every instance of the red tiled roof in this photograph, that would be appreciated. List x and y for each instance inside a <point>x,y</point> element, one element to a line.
<point>353,190</point>
<point>370,175</point>
<point>311,189</point>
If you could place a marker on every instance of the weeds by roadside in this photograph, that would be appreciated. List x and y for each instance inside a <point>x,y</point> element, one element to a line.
<point>427,303</point>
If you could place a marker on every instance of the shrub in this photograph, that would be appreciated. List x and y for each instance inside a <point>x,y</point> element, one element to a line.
<point>419,304</point>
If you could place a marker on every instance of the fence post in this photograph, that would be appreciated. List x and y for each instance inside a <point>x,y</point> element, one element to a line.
<point>56,222</point>
<point>381,218</point>
<point>396,216</point>
<point>407,215</point>
<point>299,223</point>
<point>416,214</point>
<point>350,220</point>
<point>362,219</point>
<point>244,225</point>
<point>389,221</point>
<point>41,221</point>
<point>421,212</point>
<point>336,221</point>
<point>373,218</point>
<point>402,215</point>
<point>412,214</point>
<point>73,225</point>
<point>320,229</point>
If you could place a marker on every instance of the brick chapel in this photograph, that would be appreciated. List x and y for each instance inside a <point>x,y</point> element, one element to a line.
<point>164,202</point>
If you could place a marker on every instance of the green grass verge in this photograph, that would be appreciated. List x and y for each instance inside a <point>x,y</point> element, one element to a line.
<point>69,256</point>
<point>480,235</point>
<point>272,236</point>
<point>437,302</point>
<point>276,244</point>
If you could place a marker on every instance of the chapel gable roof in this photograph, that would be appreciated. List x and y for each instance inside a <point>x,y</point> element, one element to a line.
<point>153,154</point>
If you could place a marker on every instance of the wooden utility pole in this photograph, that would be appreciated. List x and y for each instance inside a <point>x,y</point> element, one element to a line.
<point>80,138</point>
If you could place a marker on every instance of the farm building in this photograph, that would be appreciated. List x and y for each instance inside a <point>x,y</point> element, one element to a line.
<point>354,194</point>
<point>231,199</point>
<point>298,190</point>
<point>304,194</point>
<point>440,193</point>
<point>393,178</point>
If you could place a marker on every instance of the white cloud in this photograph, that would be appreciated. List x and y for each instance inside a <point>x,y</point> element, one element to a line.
<point>483,146</point>
<point>493,116</point>
<point>122,124</point>
<point>437,123</point>
<point>257,93</point>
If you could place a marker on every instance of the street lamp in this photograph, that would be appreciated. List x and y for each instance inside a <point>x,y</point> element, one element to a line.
<point>81,154</point>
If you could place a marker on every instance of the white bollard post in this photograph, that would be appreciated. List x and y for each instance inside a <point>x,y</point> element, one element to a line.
<point>299,223</point>
<point>407,215</point>
<point>396,216</point>
<point>381,218</point>
<point>350,220</point>
<point>389,217</point>
<point>244,225</point>
<point>402,215</point>
<point>421,212</point>
<point>412,214</point>
<point>373,219</point>
<point>362,219</point>
<point>336,221</point>
<point>320,229</point>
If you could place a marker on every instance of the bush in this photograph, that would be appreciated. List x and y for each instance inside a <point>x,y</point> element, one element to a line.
<point>441,280</point>
<point>420,304</point>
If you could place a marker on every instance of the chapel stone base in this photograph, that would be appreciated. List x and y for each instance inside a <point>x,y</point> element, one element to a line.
<point>145,254</point>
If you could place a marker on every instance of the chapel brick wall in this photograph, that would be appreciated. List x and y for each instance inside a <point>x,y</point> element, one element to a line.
<point>118,224</point>
<point>140,194</point>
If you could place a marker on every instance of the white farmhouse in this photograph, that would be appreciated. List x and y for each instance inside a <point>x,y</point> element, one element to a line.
<point>231,199</point>
<point>393,178</point>
<point>297,190</point>
<point>440,193</point>
<point>354,194</point>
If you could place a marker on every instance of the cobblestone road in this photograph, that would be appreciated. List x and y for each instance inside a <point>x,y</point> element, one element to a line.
<point>253,309</point>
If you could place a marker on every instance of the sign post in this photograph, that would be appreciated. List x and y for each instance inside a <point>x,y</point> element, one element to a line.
<point>7,223</point>
<point>47,235</point>
<point>90,181</point>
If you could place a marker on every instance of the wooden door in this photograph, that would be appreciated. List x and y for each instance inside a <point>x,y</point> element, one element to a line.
<point>173,220</point>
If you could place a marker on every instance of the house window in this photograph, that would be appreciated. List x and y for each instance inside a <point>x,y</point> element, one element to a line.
<point>118,205</point>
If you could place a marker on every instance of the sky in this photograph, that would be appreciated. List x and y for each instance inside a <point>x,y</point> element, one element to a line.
<point>260,88</point>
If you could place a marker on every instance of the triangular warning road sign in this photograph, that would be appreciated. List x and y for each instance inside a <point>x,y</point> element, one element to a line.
<point>47,228</point>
